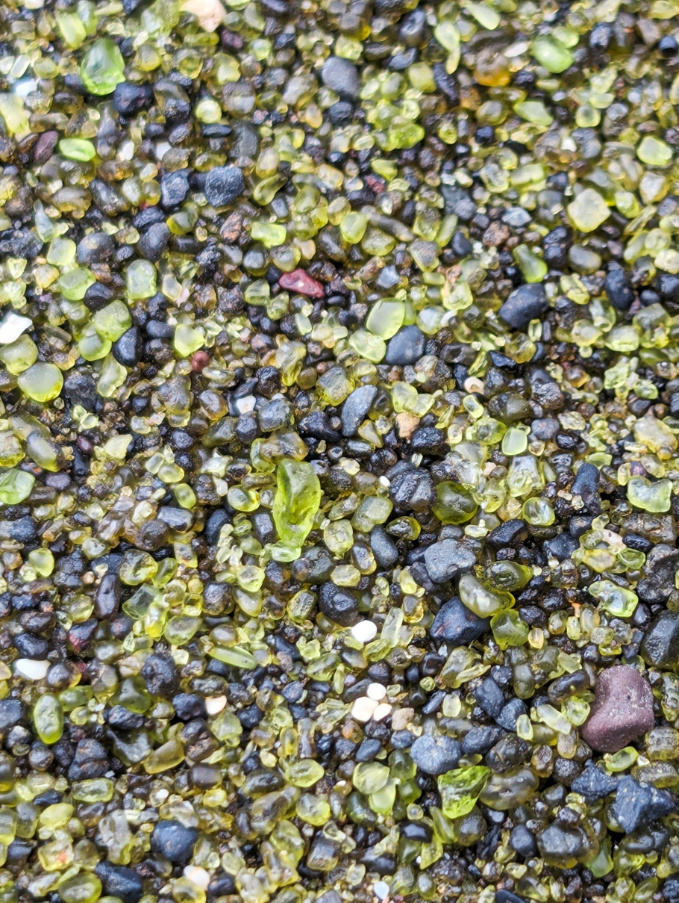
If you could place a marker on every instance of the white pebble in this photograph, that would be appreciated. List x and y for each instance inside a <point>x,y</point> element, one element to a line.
<point>247,404</point>
<point>210,13</point>
<point>364,631</point>
<point>197,875</point>
<point>377,691</point>
<point>381,889</point>
<point>382,711</point>
<point>12,326</point>
<point>215,704</point>
<point>30,669</point>
<point>363,708</point>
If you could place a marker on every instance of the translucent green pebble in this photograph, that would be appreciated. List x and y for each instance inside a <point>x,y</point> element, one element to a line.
<point>48,719</point>
<point>42,382</point>
<point>15,486</point>
<point>298,498</point>
<point>386,318</point>
<point>103,67</point>
<point>20,355</point>
<point>588,211</point>
<point>112,321</point>
<point>460,789</point>
<point>616,600</point>
<point>481,598</point>
<point>140,280</point>
<point>77,149</point>
<point>551,54</point>
<point>454,503</point>
<point>653,497</point>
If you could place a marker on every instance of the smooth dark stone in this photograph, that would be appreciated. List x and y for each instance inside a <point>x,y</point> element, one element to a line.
<point>317,425</point>
<point>355,409</point>
<point>383,548</point>
<point>174,841</point>
<point>154,241</point>
<point>128,349</point>
<point>457,625</point>
<point>619,290</point>
<point>505,896</point>
<point>521,840</point>
<point>480,739</point>
<point>445,559</point>
<point>122,719</point>
<point>660,646</point>
<point>214,525</point>
<point>341,76</point>
<point>95,248</point>
<point>435,755</point>
<point>108,596</point>
<point>490,697</point>
<point>406,347</point>
<point>120,881</point>
<point>527,302</point>
<point>223,185</point>
<point>510,714</point>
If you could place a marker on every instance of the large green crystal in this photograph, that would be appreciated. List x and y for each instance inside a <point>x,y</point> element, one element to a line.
<point>298,498</point>
<point>102,67</point>
<point>460,789</point>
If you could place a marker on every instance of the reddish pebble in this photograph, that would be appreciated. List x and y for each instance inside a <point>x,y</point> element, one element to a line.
<point>199,361</point>
<point>622,710</point>
<point>302,283</point>
<point>44,146</point>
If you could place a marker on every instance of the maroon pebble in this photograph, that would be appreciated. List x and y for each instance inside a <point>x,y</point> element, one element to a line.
<point>44,147</point>
<point>302,283</point>
<point>622,710</point>
<point>199,361</point>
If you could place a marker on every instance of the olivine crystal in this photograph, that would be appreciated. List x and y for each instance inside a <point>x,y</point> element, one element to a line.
<point>298,498</point>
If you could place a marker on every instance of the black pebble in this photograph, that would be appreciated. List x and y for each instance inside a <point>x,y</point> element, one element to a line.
<point>174,188</point>
<point>174,841</point>
<point>341,76</point>
<point>636,804</point>
<point>223,185</point>
<point>406,347</point>
<point>127,350</point>
<point>526,303</point>
<point>154,241</point>
<point>161,675</point>
<point>355,409</point>
<point>457,625</point>
<point>447,558</point>
<point>619,290</point>
<point>339,604</point>
<point>660,646</point>
<point>120,881</point>
<point>383,548</point>
<point>129,98</point>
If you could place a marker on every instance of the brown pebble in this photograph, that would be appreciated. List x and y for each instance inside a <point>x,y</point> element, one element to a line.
<point>199,361</point>
<point>622,710</point>
<point>44,147</point>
